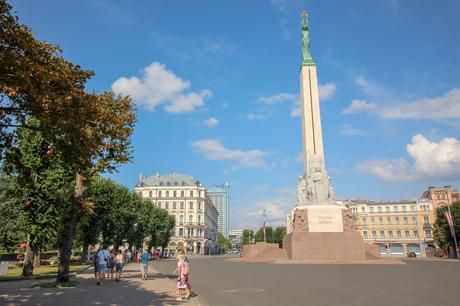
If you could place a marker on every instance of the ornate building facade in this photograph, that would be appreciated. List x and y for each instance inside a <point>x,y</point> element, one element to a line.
<point>396,227</point>
<point>195,228</point>
<point>441,195</point>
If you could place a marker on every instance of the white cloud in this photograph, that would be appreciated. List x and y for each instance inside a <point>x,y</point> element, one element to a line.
<point>325,92</point>
<point>259,116</point>
<point>370,87</point>
<point>357,106</point>
<point>446,106</point>
<point>430,160</point>
<point>211,122</point>
<point>161,86</point>
<point>276,210</point>
<point>348,130</point>
<point>213,149</point>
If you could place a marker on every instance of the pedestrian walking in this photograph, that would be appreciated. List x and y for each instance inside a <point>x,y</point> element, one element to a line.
<point>103,255</point>
<point>182,271</point>
<point>144,263</point>
<point>111,263</point>
<point>95,264</point>
<point>120,261</point>
<point>190,293</point>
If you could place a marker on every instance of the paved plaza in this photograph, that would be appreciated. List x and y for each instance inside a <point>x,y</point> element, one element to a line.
<point>220,282</point>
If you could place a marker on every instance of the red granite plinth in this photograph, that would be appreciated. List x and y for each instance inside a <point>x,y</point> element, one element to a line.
<point>324,246</point>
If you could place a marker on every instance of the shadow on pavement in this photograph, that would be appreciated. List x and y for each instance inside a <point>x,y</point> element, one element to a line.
<point>130,291</point>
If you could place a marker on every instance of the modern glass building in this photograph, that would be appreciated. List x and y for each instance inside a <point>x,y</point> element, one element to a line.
<point>220,197</point>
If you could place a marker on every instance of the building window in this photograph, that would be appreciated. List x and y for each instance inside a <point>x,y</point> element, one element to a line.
<point>405,220</point>
<point>390,234</point>
<point>191,193</point>
<point>167,193</point>
<point>181,232</point>
<point>372,220</point>
<point>364,220</point>
<point>426,220</point>
<point>190,219</point>
<point>395,208</point>
<point>416,234</point>
<point>397,220</point>
<point>404,208</point>
<point>387,208</point>
<point>374,235</point>
<point>379,209</point>
<point>371,209</point>
<point>175,183</point>
<point>182,183</point>
<point>181,219</point>
<point>388,220</point>
<point>428,233</point>
<point>199,205</point>
<point>174,205</point>
<point>414,220</point>
<point>182,193</point>
<point>174,193</point>
<point>407,234</point>
<point>159,193</point>
<point>190,205</point>
<point>161,184</point>
<point>199,219</point>
<point>398,234</point>
<point>168,183</point>
<point>412,208</point>
<point>159,204</point>
<point>365,235</point>
<point>181,205</point>
<point>363,210</point>
<point>166,205</point>
<point>150,193</point>
<point>381,220</point>
<point>382,234</point>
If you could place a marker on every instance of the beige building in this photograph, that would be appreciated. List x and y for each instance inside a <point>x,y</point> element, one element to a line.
<point>441,196</point>
<point>187,200</point>
<point>396,227</point>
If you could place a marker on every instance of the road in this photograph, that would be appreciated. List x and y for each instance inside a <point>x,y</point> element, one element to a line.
<point>418,282</point>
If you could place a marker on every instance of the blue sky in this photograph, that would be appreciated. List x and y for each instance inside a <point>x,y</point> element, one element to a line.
<point>216,86</point>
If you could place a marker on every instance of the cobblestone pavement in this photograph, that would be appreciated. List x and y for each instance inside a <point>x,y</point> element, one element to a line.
<point>159,290</point>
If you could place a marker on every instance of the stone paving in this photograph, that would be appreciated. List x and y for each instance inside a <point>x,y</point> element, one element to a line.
<point>159,289</point>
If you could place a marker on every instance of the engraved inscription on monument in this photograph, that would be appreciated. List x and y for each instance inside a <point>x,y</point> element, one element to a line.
<point>324,218</point>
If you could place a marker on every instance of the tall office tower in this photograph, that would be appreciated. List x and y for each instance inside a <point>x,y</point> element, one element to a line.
<point>220,196</point>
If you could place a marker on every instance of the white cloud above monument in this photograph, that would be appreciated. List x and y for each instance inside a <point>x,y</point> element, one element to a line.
<point>160,86</point>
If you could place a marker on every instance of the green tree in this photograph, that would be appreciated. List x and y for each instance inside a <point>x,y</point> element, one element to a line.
<point>43,187</point>
<point>442,234</point>
<point>224,243</point>
<point>248,235</point>
<point>11,218</point>
<point>259,236</point>
<point>279,234</point>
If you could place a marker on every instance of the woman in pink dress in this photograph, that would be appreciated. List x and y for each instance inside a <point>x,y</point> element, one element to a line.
<point>182,269</point>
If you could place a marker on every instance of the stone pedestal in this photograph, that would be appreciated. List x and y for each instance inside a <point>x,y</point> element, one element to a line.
<point>324,246</point>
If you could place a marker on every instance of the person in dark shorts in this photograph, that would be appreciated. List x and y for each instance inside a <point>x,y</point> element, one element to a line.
<point>95,264</point>
<point>111,263</point>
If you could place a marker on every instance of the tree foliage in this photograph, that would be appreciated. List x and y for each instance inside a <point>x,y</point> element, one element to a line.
<point>248,235</point>
<point>442,234</point>
<point>11,219</point>
<point>224,243</point>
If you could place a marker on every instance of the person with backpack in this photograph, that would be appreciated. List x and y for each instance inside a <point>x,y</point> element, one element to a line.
<point>111,263</point>
<point>190,293</point>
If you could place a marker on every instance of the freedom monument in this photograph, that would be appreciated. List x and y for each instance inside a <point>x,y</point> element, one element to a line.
<point>318,227</point>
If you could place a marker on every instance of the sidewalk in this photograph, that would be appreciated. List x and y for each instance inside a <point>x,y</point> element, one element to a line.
<point>159,289</point>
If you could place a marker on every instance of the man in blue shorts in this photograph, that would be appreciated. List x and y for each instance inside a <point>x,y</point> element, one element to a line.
<point>144,261</point>
<point>102,255</point>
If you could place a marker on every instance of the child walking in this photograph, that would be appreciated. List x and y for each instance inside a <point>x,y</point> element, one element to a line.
<point>182,270</point>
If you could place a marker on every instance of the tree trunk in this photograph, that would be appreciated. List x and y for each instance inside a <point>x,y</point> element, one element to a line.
<point>68,232</point>
<point>84,254</point>
<point>28,265</point>
<point>37,257</point>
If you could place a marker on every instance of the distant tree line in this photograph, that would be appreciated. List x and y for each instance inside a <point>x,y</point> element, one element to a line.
<point>272,235</point>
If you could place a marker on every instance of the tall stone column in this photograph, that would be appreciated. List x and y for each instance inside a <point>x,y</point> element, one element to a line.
<point>312,136</point>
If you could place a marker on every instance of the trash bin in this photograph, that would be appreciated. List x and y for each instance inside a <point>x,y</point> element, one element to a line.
<point>4,268</point>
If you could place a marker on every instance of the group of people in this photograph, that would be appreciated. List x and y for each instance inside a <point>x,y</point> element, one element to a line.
<point>106,262</point>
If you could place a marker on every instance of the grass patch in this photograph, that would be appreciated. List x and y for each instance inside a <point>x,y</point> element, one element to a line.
<point>56,285</point>
<point>14,273</point>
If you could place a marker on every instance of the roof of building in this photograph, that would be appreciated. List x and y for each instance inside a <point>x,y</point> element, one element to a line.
<point>172,179</point>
